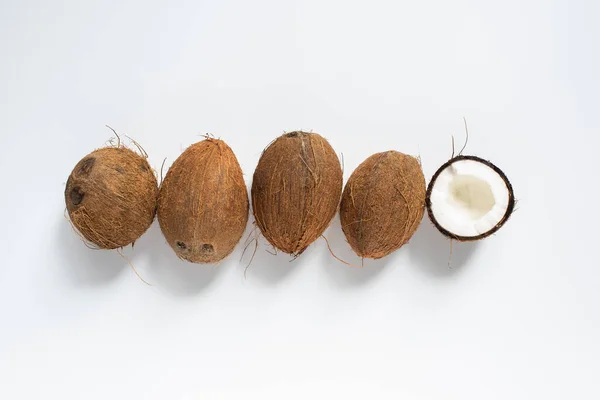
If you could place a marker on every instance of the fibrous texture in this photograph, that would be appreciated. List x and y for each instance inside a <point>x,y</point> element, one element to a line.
<point>203,203</point>
<point>383,203</point>
<point>111,197</point>
<point>296,190</point>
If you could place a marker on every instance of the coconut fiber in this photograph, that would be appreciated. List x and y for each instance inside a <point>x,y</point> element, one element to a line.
<point>383,203</point>
<point>203,203</point>
<point>296,190</point>
<point>111,197</point>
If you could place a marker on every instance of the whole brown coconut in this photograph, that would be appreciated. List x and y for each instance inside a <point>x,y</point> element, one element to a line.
<point>383,203</point>
<point>203,203</point>
<point>296,190</point>
<point>111,197</point>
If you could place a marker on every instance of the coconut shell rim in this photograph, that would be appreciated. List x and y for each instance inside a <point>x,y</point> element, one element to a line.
<point>509,209</point>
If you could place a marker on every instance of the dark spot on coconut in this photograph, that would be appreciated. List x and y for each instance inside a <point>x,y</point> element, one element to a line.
<point>293,134</point>
<point>143,167</point>
<point>119,170</point>
<point>208,248</point>
<point>181,245</point>
<point>76,195</point>
<point>86,166</point>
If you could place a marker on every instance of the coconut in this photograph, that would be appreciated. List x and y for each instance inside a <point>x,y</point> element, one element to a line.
<point>469,198</point>
<point>111,197</point>
<point>383,203</point>
<point>296,190</point>
<point>203,203</point>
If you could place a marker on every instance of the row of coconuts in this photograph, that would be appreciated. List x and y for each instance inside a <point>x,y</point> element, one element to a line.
<point>112,196</point>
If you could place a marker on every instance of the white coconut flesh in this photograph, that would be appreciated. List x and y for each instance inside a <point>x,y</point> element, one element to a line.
<point>469,198</point>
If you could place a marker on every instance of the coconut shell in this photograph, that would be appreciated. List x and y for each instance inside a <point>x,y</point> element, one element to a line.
<point>111,197</point>
<point>509,208</point>
<point>203,203</point>
<point>296,190</point>
<point>383,203</point>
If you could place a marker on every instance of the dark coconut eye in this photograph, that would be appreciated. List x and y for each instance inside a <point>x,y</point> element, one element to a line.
<point>86,166</point>
<point>181,245</point>
<point>469,198</point>
<point>76,195</point>
<point>208,248</point>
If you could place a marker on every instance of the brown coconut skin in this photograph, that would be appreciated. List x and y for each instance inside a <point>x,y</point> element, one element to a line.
<point>203,203</point>
<point>296,190</point>
<point>383,203</point>
<point>111,197</point>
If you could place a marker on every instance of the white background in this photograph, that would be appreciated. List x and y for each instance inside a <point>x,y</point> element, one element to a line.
<point>516,317</point>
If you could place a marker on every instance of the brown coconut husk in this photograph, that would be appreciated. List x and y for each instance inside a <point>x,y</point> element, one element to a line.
<point>203,203</point>
<point>383,203</point>
<point>111,197</point>
<point>296,190</point>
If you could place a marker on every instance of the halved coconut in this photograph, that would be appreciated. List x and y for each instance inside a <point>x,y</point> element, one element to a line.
<point>469,198</point>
